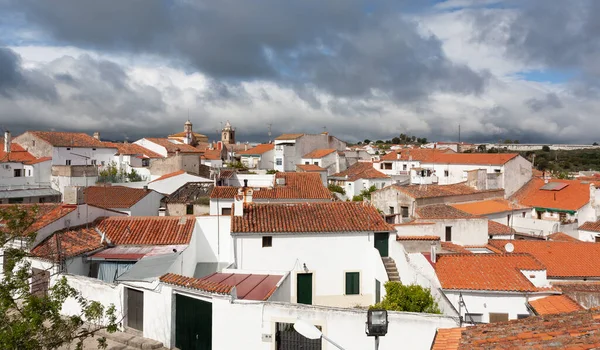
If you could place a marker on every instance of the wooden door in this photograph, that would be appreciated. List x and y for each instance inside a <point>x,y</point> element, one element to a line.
<point>382,243</point>
<point>304,288</point>
<point>193,323</point>
<point>40,280</point>
<point>135,309</point>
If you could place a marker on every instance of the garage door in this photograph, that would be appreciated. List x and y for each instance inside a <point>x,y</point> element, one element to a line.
<point>193,324</point>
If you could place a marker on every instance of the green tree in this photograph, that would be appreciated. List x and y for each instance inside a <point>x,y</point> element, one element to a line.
<point>111,174</point>
<point>367,141</point>
<point>336,188</point>
<point>546,148</point>
<point>396,140</point>
<point>366,193</point>
<point>411,298</point>
<point>33,320</point>
<point>133,176</point>
<point>271,171</point>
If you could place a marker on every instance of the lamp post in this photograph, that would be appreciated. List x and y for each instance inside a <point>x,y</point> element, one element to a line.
<point>377,324</point>
<point>311,332</point>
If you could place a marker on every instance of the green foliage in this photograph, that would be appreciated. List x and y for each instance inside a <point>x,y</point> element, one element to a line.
<point>412,298</point>
<point>358,198</point>
<point>559,162</point>
<point>133,176</point>
<point>111,174</point>
<point>366,193</point>
<point>367,141</point>
<point>34,321</point>
<point>271,171</point>
<point>237,165</point>
<point>546,148</point>
<point>336,189</point>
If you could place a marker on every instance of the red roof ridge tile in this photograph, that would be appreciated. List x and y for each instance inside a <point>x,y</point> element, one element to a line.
<point>166,176</point>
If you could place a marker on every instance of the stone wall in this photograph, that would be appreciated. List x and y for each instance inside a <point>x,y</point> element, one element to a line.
<point>41,148</point>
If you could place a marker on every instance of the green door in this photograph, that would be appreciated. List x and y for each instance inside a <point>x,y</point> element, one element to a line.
<point>381,243</point>
<point>304,288</point>
<point>193,324</point>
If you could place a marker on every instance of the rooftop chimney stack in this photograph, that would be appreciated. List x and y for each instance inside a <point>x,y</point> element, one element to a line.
<point>97,135</point>
<point>7,141</point>
<point>433,253</point>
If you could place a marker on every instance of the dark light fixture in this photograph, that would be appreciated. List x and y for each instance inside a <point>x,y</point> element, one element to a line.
<point>377,323</point>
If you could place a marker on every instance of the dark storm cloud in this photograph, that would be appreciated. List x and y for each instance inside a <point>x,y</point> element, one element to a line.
<point>550,101</point>
<point>345,47</point>
<point>15,81</point>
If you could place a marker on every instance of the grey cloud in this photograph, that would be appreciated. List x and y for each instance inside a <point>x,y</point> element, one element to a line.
<point>347,48</point>
<point>550,101</point>
<point>14,80</point>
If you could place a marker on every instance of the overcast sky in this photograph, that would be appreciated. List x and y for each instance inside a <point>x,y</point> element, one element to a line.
<point>526,70</point>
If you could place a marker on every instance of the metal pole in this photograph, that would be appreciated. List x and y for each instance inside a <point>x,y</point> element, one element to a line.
<point>332,342</point>
<point>376,342</point>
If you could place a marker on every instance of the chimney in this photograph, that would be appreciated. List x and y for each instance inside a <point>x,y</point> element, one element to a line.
<point>245,183</point>
<point>398,155</point>
<point>97,135</point>
<point>238,204</point>
<point>145,187</point>
<point>433,252</point>
<point>219,145</point>
<point>7,141</point>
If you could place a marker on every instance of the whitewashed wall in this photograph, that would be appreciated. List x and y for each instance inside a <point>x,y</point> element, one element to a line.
<point>254,180</point>
<point>152,146</point>
<point>214,242</point>
<point>77,155</point>
<point>171,184</point>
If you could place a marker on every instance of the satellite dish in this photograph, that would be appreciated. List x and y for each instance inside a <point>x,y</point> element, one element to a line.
<point>509,247</point>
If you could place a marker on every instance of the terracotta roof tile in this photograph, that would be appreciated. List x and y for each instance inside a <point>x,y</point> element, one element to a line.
<point>490,206</point>
<point>69,139</point>
<point>442,211</point>
<point>310,167</point>
<point>554,304</point>
<point>574,330</point>
<point>172,147</point>
<point>131,149</point>
<point>17,154</point>
<point>169,175</point>
<point>562,237</point>
<point>297,186</point>
<point>417,238</point>
<point>147,230</point>
<point>432,191</point>
<point>319,153</point>
<point>562,259</point>
<point>309,217</point>
<point>455,248</point>
<point>258,149</point>
<point>289,136</point>
<point>183,134</point>
<point>114,196</point>
<point>593,226</point>
<point>573,196</point>
<point>38,160</point>
<point>361,170</point>
<point>72,243</point>
<point>587,286</point>
<point>496,228</point>
<point>43,214</point>
<point>248,286</point>
<point>487,272</point>
<point>212,154</point>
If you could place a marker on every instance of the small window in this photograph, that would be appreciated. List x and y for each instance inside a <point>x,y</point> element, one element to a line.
<point>18,173</point>
<point>93,149</point>
<point>316,163</point>
<point>267,241</point>
<point>404,211</point>
<point>474,318</point>
<point>42,200</point>
<point>497,171</point>
<point>448,233</point>
<point>278,161</point>
<point>391,210</point>
<point>15,200</point>
<point>352,283</point>
<point>522,316</point>
<point>403,166</point>
<point>306,163</point>
<point>597,239</point>
<point>33,143</point>
<point>446,173</point>
<point>93,162</point>
<point>523,214</point>
<point>145,162</point>
<point>225,211</point>
<point>102,163</point>
<point>29,172</point>
<point>68,162</point>
<point>68,148</point>
<point>189,209</point>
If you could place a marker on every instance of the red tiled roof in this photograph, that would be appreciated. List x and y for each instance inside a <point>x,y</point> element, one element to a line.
<point>289,136</point>
<point>562,237</point>
<point>248,286</point>
<point>562,259</point>
<point>593,226</point>
<point>431,191</point>
<point>572,197</point>
<point>114,196</point>
<point>319,153</point>
<point>38,160</point>
<point>455,248</point>
<point>554,304</point>
<point>69,139</point>
<point>174,147</point>
<point>309,217</point>
<point>495,272</point>
<point>132,149</point>
<point>496,228</point>
<point>442,211</point>
<point>184,134</point>
<point>17,154</point>
<point>490,206</point>
<point>258,149</point>
<point>72,243</point>
<point>297,186</point>
<point>212,154</point>
<point>417,238</point>
<point>166,176</point>
<point>147,230</point>
<point>574,330</point>
<point>361,170</point>
<point>310,167</point>
<point>43,214</point>
<point>447,339</point>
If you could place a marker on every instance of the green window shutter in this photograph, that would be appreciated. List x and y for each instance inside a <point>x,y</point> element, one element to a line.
<point>352,283</point>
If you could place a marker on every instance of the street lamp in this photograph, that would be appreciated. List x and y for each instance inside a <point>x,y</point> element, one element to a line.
<point>377,324</point>
<point>311,332</point>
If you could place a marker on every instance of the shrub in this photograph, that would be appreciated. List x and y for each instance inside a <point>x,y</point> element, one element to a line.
<point>411,298</point>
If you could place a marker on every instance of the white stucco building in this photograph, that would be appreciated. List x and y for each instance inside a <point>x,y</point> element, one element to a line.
<point>290,148</point>
<point>358,177</point>
<point>258,157</point>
